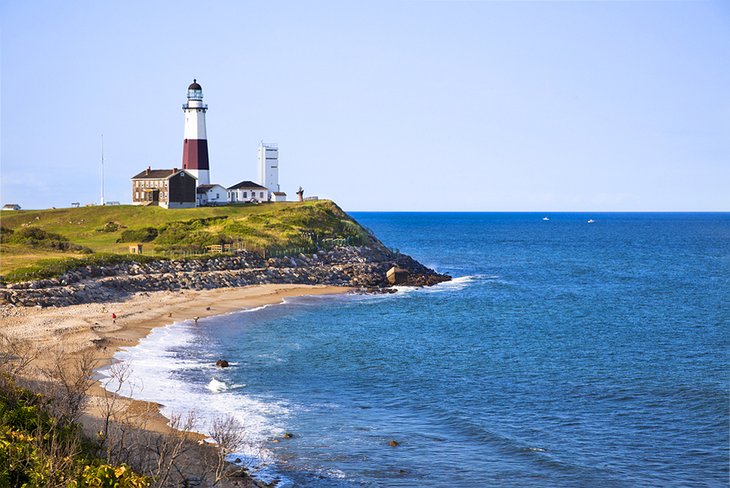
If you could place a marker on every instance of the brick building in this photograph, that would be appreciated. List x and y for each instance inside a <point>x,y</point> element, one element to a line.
<point>168,188</point>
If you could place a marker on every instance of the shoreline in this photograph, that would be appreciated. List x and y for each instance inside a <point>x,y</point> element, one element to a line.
<point>90,327</point>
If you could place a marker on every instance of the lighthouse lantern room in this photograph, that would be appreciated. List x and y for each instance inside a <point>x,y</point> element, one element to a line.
<point>195,147</point>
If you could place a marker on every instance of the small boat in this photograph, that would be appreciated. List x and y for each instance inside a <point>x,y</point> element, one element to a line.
<point>545,218</point>
<point>591,221</point>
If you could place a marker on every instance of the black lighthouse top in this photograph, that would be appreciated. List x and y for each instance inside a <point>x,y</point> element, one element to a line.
<point>195,91</point>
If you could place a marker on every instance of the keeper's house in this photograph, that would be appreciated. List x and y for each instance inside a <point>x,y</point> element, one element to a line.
<point>248,191</point>
<point>168,188</point>
<point>212,195</point>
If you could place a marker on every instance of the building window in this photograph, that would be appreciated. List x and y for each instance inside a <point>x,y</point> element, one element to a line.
<point>217,196</point>
<point>245,194</point>
<point>261,194</point>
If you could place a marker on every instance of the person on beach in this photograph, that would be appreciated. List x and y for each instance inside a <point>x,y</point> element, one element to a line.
<point>196,320</point>
<point>114,318</point>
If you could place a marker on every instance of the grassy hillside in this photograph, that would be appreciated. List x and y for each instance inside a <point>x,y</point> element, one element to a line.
<point>34,237</point>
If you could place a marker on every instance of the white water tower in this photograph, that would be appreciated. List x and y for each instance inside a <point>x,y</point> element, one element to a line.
<point>268,156</point>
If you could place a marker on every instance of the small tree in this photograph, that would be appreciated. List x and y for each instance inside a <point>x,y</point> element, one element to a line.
<point>229,436</point>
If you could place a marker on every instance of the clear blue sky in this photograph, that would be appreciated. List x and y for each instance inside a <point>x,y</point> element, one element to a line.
<point>398,105</point>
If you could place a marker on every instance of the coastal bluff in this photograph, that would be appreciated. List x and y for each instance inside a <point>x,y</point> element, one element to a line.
<point>364,267</point>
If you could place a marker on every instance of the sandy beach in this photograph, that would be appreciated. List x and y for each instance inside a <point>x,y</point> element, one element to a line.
<point>78,329</point>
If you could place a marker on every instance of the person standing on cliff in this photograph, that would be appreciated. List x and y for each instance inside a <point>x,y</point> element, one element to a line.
<point>114,318</point>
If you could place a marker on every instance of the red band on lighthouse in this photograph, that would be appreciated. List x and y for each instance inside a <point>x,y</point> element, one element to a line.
<point>195,154</point>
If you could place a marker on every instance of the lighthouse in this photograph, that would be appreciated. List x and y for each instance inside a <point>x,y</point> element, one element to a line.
<point>195,147</point>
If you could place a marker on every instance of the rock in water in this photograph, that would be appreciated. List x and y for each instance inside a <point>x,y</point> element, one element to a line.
<point>221,363</point>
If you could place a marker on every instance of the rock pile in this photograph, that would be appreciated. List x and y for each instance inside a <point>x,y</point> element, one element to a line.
<point>357,266</point>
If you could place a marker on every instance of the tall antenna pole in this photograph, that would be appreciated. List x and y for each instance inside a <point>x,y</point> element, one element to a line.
<point>102,169</point>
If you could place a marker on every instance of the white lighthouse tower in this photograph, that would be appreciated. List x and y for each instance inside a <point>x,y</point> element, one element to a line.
<point>268,156</point>
<point>195,147</point>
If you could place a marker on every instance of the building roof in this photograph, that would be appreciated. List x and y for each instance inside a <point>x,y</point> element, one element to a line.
<point>280,193</point>
<point>159,174</point>
<point>194,85</point>
<point>11,206</point>
<point>205,188</point>
<point>155,173</point>
<point>247,184</point>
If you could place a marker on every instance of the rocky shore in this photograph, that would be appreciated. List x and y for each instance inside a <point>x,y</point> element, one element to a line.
<point>352,266</point>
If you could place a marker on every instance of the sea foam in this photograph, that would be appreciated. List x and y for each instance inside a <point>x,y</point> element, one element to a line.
<point>153,372</point>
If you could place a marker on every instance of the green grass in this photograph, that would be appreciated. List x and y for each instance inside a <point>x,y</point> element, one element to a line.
<point>110,230</point>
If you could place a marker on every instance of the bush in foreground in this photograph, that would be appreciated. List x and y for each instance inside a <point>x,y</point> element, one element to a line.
<point>38,449</point>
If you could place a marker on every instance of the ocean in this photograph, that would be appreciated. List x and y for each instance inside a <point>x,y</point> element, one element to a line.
<point>563,353</point>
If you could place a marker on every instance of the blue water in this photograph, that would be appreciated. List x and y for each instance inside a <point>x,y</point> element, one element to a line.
<point>564,354</point>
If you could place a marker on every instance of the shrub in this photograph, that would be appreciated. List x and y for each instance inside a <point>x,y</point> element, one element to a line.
<point>37,449</point>
<point>110,227</point>
<point>145,234</point>
<point>5,233</point>
<point>108,476</point>
<point>41,239</point>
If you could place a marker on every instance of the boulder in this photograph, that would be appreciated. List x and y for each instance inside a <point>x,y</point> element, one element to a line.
<point>397,276</point>
<point>221,363</point>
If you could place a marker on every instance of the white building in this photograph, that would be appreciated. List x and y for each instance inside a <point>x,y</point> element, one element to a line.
<point>268,158</point>
<point>211,195</point>
<point>248,191</point>
<point>278,196</point>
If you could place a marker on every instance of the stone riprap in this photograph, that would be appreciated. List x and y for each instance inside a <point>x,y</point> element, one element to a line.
<point>355,266</point>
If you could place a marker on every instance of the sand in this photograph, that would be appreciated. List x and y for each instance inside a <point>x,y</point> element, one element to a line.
<point>79,329</point>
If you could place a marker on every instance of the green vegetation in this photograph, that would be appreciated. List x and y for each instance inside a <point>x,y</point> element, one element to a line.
<point>46,243</point>
<point>49,268</point>
<point>38,448</point>
<point>145,234</point>
<point>38,238</point>
<point>110,227</point>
